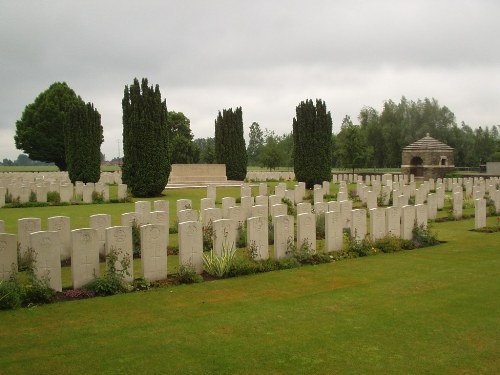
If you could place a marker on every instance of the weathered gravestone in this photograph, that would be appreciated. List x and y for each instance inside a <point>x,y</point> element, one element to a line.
<point>161,205</point>
<point>283,235</point>
<point>421,215</point>
<point>122,191</point>
<point>154,252</point>
<point>306,231</point>
<point>377,223</point>
<point>210,215</point>
<point>119,240</point>
<point>100,222</point>
<point>393,221</point>
<point>358,224</point>
<point>333,231</point>
<point>407,222</point>
<point>47,251</point>
<point>259,211</point>
<point>303,208</point>
<point>25,227</point>
<point>226,203</point>
<point>143,208</point>
<point>458,202</point>
<point>224,235</point>
<point>61,225</point>
<point>480,213</point>
<point>84,256</point>
<point>212,192</point>
<point>8,255</point>
<point>258,237</point>
<point>191,245</point>
<point>187,215</point>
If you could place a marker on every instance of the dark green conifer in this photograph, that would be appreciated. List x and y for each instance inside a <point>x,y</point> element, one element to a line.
<point>312,133</point>
<point>146,165</point>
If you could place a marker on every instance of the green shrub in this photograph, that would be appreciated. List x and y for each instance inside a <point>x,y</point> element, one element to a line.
<point>26,261</point>
<point>136,239</point>
<point>242,235</point>
<point>243,266</point>
<point>208,236</point>
<point>287,263</point>
<point>188,275</point>
<point>10,294</point>
<point>32,197</point>
<point>392,244</point>
<point>113,281</point>
<point>36,291</point>
<point>219,265</point>
<point>360,248</point>
<point>97,198</point>
<point>290,207</point>
<point>141,284</point>
<point>423,237</point>
<point>53,197</point>
<point>320,226</point>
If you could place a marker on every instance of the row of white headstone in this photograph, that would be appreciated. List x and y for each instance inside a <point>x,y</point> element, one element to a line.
<point>67,191</point>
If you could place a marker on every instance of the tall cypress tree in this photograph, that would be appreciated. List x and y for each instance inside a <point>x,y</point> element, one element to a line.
<point>229,143</point>
<point>83,136</point>
<point>146,165</point>
<point>312,134</point>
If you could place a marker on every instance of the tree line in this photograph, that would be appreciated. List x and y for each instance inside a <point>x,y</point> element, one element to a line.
<point>60,128</point>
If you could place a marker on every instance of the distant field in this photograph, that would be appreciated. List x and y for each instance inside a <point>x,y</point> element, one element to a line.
<point>49,168</point>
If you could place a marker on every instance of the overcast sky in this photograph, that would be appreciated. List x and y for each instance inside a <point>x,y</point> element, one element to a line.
<point>265,56</point>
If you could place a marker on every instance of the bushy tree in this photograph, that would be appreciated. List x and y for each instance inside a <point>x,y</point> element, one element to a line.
<point>312,133</point>
<point>146,164</point>
<point>351,150</point>
<point>255,143</point>
<point>83,135</point>
<point>40,131</point>
<point>182,148</point>
<point>271,154</point>
<point>207,150</point>
<point>229,143</point>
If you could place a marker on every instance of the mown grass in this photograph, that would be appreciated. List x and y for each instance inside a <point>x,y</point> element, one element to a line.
<point>432,310</point>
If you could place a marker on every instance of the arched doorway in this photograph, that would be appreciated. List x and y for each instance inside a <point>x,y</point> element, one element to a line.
<point>417,166</point>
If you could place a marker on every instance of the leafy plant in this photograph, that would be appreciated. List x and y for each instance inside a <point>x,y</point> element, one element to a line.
<point>320,226</point>
<point>136,239</point>
<point>208,236</point>
<point>10,293</point>
<point>423,237</point>
<point>97,197</point>
<point>242,235</point>
<point>289,206</point>
<point>219,265</point>
<point>53,197</point>
<point>187,275</point>
<point>113,281</point>
<point>26,261</point>
<point>36,291</point>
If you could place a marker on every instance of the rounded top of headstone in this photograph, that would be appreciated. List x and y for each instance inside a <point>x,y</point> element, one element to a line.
<point>427,143</point>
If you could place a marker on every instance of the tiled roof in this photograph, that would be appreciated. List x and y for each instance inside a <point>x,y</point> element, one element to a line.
<point>427,143</point>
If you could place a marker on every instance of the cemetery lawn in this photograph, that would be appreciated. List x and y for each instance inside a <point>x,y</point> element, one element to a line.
<point>433,310</point>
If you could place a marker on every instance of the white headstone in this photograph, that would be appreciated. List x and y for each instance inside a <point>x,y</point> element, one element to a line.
<point>421,215</point>
<point>393,221</point>
<point>61,225</point>
<point>8,255</point>
<point>119,239</point>
<point>161,205</point>
<point>283,235</point>
<point>154,252</point>
<point>100,222</point>
<point>47,250</point>
<point>358,224</point>
<point>258,237</point>
<point>333,231</point>
<point>306,231</point>
<point>84,256</point>
<point>191,245</point>
<point>377,223</point>
<point>407,222</point>
<point>226,203</point>
<point>480,213</point>
<point>210,215</point>
<point>143,208</point>
<point>304,208</point>
<point>187,215</point>
<point>224,232</point>
<point>25,227</point>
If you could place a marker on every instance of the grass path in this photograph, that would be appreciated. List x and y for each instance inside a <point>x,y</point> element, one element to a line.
<point>434,310</point>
